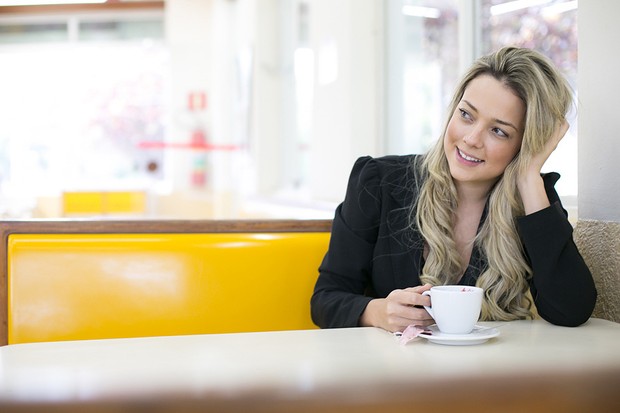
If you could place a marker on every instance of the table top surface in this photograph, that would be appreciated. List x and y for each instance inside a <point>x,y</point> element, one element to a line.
<point>293,362</point>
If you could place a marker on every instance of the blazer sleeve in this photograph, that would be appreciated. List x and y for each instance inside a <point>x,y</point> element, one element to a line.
<point>338,299</point>
<point>562,285</point>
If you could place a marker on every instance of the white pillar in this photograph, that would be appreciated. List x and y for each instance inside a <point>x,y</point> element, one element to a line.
<point>597,232</point>
<point>346,36</point>
<point>599,90</point>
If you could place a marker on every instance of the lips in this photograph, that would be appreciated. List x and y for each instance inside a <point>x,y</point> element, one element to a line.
<point>466,157</point>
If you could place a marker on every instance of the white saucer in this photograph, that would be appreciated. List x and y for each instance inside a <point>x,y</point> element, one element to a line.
<point>478,336</point>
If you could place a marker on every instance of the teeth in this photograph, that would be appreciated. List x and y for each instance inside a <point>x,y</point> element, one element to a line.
<point>469,158</point>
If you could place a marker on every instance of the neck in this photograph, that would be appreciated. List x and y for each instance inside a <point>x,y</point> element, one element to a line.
<point>472,194</point>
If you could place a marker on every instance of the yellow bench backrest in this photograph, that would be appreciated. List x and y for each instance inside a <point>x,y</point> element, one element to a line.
<point>90,286</point>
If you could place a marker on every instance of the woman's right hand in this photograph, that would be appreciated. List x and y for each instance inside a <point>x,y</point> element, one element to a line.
<point>398,310</point>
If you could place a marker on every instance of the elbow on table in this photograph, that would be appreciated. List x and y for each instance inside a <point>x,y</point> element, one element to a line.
<point>575,316</point>
<point>316,310</point>
<point>566,321</point>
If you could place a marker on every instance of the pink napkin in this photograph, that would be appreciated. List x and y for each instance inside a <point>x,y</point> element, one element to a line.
<point>412,332</point>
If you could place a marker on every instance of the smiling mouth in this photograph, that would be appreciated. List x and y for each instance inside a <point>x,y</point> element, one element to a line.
<point>467,157</point>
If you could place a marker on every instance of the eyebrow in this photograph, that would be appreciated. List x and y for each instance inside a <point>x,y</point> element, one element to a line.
<point>501,122</point>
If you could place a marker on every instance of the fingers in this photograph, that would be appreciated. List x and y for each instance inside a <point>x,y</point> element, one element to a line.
<point>419,289</point>
<point>410,316</point>
<point>413,296</point>
<point>560,132</point>
<point>404,307</point>
<point>408,298</point>
<point>539,159</point>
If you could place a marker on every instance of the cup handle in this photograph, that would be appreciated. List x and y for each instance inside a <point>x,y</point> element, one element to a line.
<point>428,309</point>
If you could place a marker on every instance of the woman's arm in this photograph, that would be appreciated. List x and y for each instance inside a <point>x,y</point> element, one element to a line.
<point>562,285</point>
<point>344,294</point>
<point>338,299</point>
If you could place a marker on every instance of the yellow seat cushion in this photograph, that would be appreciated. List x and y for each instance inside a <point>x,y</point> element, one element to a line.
<point>90,286</point>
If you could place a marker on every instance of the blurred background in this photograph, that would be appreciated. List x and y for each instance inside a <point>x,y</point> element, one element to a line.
<point>218,109</point>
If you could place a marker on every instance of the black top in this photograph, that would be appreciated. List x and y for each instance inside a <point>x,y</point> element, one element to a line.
<point>371,251</point>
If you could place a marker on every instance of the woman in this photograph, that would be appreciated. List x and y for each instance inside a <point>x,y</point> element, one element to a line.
<point>475,210</point>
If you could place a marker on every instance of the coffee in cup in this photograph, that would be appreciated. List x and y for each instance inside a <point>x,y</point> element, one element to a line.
<point>455,308</point>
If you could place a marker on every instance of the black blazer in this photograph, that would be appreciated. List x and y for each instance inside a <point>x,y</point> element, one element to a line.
<point>372,252</point>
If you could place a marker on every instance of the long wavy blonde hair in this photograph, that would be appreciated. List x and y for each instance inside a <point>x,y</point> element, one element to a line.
<point>547,97</point>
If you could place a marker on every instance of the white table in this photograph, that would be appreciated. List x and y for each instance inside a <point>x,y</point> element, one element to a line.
<point>531,365</point>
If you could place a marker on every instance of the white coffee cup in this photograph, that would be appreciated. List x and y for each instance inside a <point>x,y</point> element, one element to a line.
<point>455,308</point>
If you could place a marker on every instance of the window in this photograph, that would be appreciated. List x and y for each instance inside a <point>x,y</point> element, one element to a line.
<point>551,28</point>
<point>422,66</point>
<point>79,95</point>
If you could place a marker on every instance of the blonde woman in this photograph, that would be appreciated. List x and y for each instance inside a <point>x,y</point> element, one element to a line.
<point>474,210</point>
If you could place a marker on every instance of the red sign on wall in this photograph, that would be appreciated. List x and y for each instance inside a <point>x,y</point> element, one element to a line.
<point>197,101</point>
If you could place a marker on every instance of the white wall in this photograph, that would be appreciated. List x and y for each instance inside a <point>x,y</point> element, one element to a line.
<point>211,44</point>
<point>347,40</point>
<point>599,94</point>
<point>597,233</point>
<point>188,36</point>
<point>273,91</point>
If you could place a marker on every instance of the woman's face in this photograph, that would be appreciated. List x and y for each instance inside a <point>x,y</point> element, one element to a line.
<point>484,133</point>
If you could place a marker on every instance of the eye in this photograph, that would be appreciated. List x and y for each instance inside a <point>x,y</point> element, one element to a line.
<point>499,132</point>
<point>465,114</point>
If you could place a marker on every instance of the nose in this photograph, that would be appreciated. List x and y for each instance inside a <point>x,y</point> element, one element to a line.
<point>473,138</point>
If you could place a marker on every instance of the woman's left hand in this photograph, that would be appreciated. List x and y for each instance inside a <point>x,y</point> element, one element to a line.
<point>530,183</point>
<point>539,159</point>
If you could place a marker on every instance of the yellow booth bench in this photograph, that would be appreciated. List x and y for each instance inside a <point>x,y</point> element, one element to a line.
<point>80,279</point>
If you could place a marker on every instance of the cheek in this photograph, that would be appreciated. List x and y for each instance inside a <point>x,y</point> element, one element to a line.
<point>452,131</point>
<point>514,150</point>
<point>449,140</point>
<point>504,153</point>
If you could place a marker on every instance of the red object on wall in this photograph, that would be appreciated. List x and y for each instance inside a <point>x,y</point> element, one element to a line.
<point>198,137</point>
<point>206,146</point>
<point>199,178</point>
<point>197,101</point>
